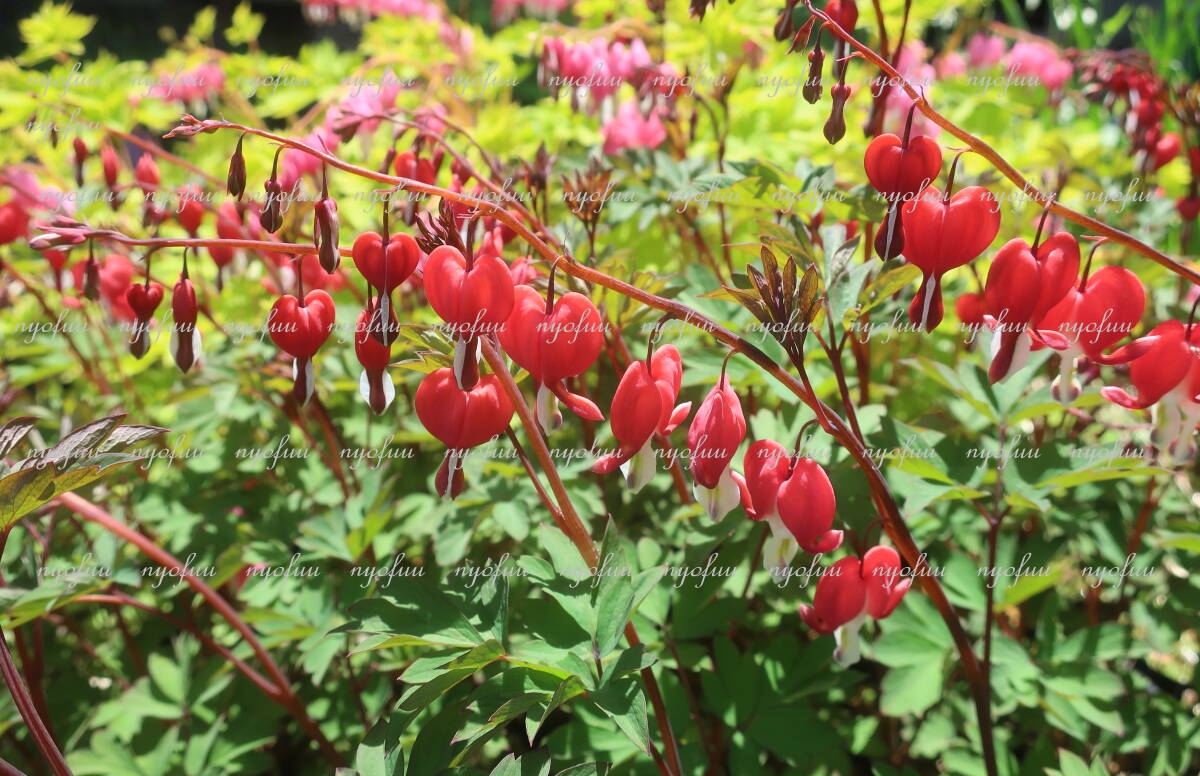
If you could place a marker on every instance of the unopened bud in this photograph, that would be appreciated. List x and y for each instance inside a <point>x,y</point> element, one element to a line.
<point>91,279</point>
<point>325,232</point>
<point>81,153</point>
<point>816,65</point>
<point>271,216</point>
<point>835,127</point>
<point>146,172</point>
<point>236,182</point>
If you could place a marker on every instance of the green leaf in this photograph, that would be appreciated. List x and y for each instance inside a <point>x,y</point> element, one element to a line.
<point>53,31</point>
<point>911,689</point>
<point>622,701</point>
<point>246,26</point>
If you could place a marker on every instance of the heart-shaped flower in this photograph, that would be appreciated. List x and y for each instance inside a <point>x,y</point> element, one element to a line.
<point>473,300</point>
<point>717,431</point>
<point>14,222</point>
<point>899,172</point>
<point>850,590</point>
<point>807,504</point>
<point>385,270</point>
<point>942,234</point>
<point>553,341</point>
<point>644,404</point>
<point>143,299</point>
<point>1023,284</point>
<point>1164,366</point>
<point>460,419</point>
<point>299,328</point>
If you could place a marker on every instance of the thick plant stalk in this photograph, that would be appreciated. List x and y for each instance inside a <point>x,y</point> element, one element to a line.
<point>285,696</point>
<point>24,701</point>
<point>37,728</point>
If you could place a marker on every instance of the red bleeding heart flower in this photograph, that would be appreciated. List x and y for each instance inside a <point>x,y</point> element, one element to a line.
<point>474,300</point>
<point>807,504</point>
<point>766,467</point>
<point>1095,315</point>
<point>460,419</point>
<point>14,222</point>
<point>716,432</point>
<point>299,328</point>
<point>900,172</point>
<point>849,591</point>
<point>229,227</point>
<point>1158,363</point>
<point>899,169</point>
<point>941,234</point>
<point>1023,284</point>
<point>554,339</point>
<point>385,270</point>
<point>1188,207</point>
<point>375,384</point>
<point>881,571</point>
<point>143,299</point>
<point>1167,148</point>
<point>644,404</point>
<point>970,310</point>
<point>1090,319</point>
<point>841,597</point>
<point>409,165</point>
<point>1164,367</point>
<point>844,12</point>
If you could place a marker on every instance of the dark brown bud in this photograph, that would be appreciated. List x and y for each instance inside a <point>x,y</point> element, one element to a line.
<point>835,127</point>
<point>812,85</point>
<point>236,182</point>
<point>91,279</point>
<point>325,233</point>
<point>271,216</point>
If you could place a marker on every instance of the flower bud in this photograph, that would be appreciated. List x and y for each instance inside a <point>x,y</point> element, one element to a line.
<point>91,279</point>
<point>236,182</point>
<point>835,127</point>
<point>325,233</point>
<point>185,339</point>
<point>271,216</point>
<point>146,172</point>
<point>812,85</point>
<point>81,153</point>
<point>111,165</point>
